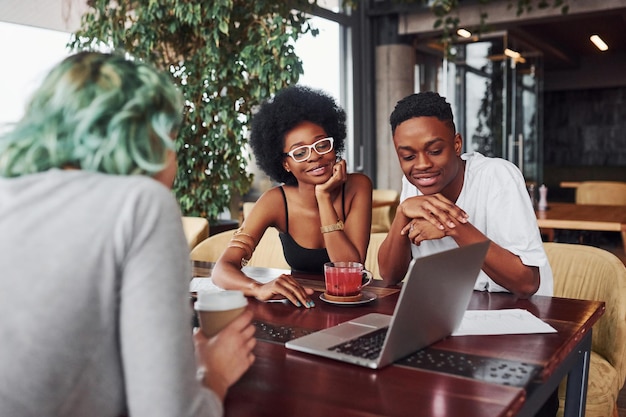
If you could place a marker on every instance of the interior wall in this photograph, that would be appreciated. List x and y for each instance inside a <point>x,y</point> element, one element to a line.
<point>585,124</point>
<point>584,136</point>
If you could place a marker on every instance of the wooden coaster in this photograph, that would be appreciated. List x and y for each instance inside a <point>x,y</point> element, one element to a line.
<point>344,299</point>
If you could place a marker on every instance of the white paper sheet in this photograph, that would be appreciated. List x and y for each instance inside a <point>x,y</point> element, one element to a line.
<point>508,321</point>
<point>259,274</point>
<point>264,275</point>
<point>204,284</point>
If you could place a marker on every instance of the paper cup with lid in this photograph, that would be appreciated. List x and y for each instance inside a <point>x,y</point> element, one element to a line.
<point>217,309</point>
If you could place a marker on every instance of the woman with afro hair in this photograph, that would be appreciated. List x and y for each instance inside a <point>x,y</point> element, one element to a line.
<point>322,213</point>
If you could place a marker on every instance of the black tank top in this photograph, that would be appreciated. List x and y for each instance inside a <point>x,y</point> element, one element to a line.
<point>305,259</point>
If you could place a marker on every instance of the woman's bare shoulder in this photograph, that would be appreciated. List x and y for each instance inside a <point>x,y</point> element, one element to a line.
<point>268,205</point>
<point>358,181</point>
<point>271,196</point>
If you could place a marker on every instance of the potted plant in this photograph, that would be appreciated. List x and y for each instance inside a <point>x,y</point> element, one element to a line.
<point>226,56</point>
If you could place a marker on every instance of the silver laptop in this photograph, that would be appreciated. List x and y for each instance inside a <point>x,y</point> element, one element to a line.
<point>435,294</point>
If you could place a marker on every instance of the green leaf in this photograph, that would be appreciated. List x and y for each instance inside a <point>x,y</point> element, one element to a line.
<point>223,27</point>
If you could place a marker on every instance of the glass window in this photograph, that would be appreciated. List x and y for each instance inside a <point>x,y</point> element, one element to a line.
<point>332,5</point>
<point>320,57</point>
<point>326,68</point>
<point>25,64</point>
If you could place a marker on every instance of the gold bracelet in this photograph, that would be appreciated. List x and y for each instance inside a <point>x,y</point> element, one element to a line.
<point>332,227</point>
<point>240,231</point>
<point>245,248</point>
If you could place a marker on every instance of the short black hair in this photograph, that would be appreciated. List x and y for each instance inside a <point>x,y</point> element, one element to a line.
<point>277,116</point>
<point>424,104</point>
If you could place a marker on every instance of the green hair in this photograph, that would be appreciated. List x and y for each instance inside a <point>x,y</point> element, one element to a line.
<point>96,112</point>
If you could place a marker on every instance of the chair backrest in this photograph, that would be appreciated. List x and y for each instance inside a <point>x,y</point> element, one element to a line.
<point>268,253</point>
<point>384,204</point>
<point>610,193</point>
<point>371,258</point>
<point>196,229</point>
<point>211,248</point>
<point>587,272</point>
<point>247,208</point>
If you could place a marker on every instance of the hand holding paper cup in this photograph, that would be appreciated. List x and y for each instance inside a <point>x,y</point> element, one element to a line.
<point>345,280</point>
<point>217,309</point>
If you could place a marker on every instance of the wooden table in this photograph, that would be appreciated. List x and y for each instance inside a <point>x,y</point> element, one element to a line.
<point>288,383</point>
<point>583,217</point>
<point>570,184</point>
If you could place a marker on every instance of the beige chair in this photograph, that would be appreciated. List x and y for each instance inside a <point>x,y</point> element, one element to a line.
<point>196,230</point>
<point>587,272</point>
<point>610,193</point>
<point>268,253</point>
<point>384,204</point>
<point>211,249</point>
<point>371,258</point>
<point>247,208</point>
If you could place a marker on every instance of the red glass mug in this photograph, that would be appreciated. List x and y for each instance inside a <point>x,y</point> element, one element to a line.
<point>345,279</point>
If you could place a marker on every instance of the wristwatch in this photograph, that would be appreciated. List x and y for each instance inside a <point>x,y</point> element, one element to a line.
<point>332,227</point>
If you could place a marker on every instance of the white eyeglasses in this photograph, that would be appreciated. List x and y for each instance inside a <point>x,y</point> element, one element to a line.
<point>302,153</point>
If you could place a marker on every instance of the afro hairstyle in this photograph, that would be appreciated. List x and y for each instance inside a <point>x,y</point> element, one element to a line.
<point>276,117</point>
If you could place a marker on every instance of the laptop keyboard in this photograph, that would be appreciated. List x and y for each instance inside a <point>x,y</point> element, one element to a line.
<point>367,346</point>
<point>499,371</point>
<point>277,333</point>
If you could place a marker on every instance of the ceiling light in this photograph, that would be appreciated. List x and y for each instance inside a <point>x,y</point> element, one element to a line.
<point>599,43</point>
<point>464,33</point>
<point>511,53</point>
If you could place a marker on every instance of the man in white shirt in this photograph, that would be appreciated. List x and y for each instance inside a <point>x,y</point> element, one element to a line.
<point>449,200</point>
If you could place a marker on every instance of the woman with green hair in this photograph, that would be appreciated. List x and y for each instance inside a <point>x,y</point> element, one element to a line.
<point>95,266</point>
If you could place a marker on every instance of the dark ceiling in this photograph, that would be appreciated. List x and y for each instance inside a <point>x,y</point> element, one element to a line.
<point>565,40</point>
<point>562,38</point>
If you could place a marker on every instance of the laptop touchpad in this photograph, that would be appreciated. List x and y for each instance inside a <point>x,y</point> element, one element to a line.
<point>348,330</point>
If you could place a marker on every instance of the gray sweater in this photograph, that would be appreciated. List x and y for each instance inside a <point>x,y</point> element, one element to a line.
<point>95,318</point>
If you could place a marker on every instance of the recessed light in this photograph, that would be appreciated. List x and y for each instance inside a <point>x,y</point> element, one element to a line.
<point>511,53</point>
<point>599,43</point>
<point>464,33</point>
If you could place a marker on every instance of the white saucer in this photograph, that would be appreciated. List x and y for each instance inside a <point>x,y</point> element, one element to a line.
<point>367,297</point>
